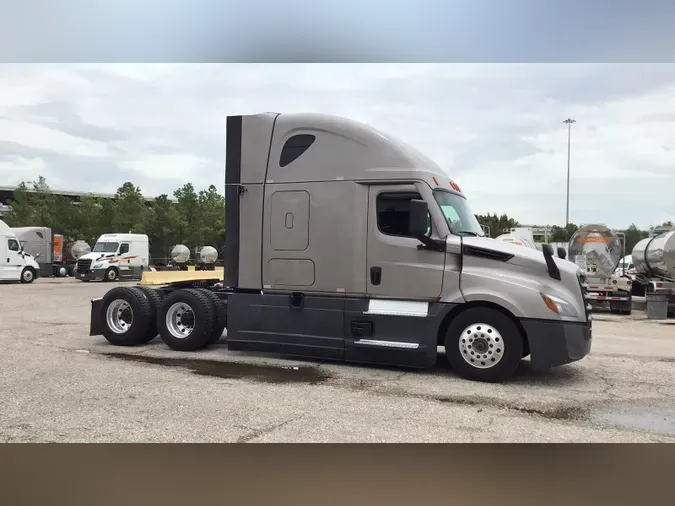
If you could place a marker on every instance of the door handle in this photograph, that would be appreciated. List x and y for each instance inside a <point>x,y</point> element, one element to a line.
<point>375,275</point>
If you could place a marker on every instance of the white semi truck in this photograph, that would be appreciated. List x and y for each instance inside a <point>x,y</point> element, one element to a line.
<point>15,263</point>
<point>597,250</point>
<point>654,261</point>
<point>115,257</point>
<point>329,254</point>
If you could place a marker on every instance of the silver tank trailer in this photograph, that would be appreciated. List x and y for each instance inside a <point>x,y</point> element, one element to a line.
<point>596,249</point>
<point>208,255</point>
<point>77,249</point>
<point>180,254</point>
<point>655,256</point>
<point>207,258</point>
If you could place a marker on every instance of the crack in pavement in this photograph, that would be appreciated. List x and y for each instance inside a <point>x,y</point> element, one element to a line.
<point>247,438</point>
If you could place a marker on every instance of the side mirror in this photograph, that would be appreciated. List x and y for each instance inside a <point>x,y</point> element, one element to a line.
<point>417,220</point>
<point>37,256</point>
<point>562,253</point>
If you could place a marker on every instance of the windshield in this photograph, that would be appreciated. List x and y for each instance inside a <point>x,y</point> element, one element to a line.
<point>458,214</point>
<point>105,247</point>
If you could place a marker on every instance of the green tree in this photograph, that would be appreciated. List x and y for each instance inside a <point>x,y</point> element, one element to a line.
<point>130,210</point>
<point>21,214</point>
<point>163,227</point>
<point>210,225</point>
<point>188,210</point>
<point>562,234</point>
<point>633,236</point>
<point>496,223</point>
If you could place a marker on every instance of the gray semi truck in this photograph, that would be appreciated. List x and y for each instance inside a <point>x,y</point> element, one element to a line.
<point>344,243</point>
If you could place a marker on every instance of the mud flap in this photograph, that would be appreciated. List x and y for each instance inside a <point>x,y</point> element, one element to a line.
<point>96,319</point>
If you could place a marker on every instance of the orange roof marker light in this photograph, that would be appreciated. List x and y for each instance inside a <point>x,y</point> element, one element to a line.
<point>435,180</point>
<point>454,186</point>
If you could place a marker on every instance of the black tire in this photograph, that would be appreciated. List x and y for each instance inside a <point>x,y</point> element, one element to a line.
<point>220,315</point>
<point>27,275</point>
<point>70,270</point>
<point>141,308</point>
<point>111,274</point>
<point>497,336</point>
<point>156,299</point>
<point>203,320</point>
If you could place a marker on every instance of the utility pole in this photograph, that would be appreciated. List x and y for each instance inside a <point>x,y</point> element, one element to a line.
<point>569,122</point>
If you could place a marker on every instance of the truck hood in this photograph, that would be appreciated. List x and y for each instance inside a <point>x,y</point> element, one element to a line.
<point>527,258</point>
<point>95,256</point>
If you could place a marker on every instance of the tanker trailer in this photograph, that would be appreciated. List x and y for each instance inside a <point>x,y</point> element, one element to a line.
<point>75,250</point>
<point>654,261</point>
<point>207,259</point>
<point>180,256</point>
<point>597,250</point>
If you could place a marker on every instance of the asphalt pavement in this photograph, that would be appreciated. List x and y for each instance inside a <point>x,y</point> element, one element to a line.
<point>58,384</point>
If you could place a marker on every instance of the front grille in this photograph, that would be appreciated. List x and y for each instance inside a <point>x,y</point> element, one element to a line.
<point>581,277</point>
<point>83,265</point>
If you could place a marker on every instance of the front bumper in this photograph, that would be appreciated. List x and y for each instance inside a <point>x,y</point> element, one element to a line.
<point>553,343</point>
<point>91,275</point>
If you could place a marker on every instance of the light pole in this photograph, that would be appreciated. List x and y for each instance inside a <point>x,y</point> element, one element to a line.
<point>569,122</point>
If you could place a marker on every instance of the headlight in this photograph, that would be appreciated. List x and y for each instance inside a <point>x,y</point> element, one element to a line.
<point>97,266</point>
<point>560,306</point>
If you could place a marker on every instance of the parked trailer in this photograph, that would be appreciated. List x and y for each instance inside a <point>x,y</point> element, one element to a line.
<point>53,256</point>
<point>654,261</point>
<point>597,250</point>
<point>306,276</point>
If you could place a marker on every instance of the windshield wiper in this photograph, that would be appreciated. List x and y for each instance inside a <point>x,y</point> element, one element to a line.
<point>469,232</point>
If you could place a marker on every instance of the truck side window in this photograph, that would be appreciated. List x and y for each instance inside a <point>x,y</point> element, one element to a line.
<point>124,248</point>
<point>393,210</point>
<point>13,245</point>
<point>294,148</point>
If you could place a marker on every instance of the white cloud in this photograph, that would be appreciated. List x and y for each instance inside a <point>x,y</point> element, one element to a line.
<point>497,129</point>
<point>39,137</point>
<point>175,166</point>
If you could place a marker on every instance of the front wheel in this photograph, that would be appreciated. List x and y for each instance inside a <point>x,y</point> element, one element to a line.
<point>111,274</point>
<point>27,275</point>
<point>483,344</point>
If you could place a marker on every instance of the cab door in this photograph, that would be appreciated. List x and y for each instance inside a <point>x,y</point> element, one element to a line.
<point>4,260</point>
<point>396,323</point>
<point>396,267</point>
<point>13,258</point>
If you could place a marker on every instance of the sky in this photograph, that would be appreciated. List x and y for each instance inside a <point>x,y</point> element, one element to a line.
<point>497,129</point>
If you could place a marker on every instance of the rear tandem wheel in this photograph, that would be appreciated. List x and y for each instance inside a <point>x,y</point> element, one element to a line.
<point>186,320</point>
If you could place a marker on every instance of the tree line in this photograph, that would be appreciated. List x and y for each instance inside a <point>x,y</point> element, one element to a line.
<point>191,218</point>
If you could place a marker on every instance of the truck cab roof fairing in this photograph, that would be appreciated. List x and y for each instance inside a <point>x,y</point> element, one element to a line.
<point>341,149</point>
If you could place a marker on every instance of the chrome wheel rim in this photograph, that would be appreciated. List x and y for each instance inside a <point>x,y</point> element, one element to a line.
<point>481,346</point>
<point>119,316</point>
<point>27,275</point>
<point>180,320</point>
<point>111,275</point>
